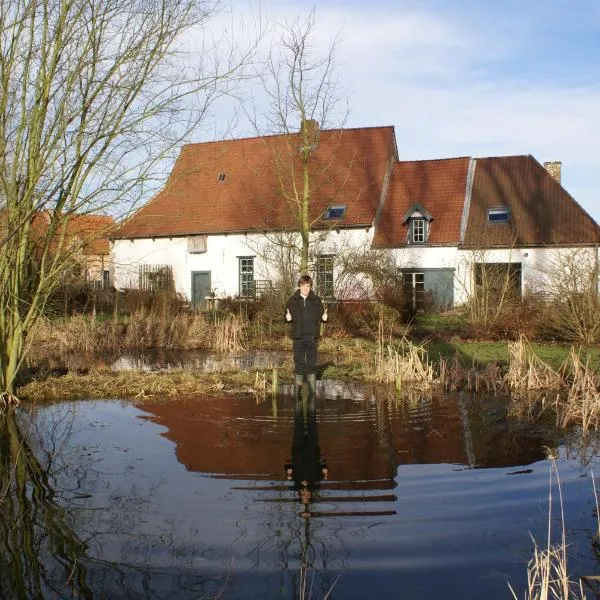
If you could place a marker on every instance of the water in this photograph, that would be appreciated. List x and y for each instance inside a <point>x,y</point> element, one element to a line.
<point>431,497</point>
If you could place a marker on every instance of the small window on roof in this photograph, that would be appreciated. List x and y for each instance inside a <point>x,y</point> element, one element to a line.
<point>221,177</point>
<point>335,212</point>
<point>498,214</point>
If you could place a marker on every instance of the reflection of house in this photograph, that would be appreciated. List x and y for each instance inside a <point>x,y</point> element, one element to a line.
<point>444,222</point>
<point>363,443</point>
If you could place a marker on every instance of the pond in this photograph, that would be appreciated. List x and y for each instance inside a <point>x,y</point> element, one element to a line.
<point>430,496</point>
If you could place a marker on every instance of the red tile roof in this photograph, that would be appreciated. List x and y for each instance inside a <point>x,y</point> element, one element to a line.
<point>236,185</point>
<point>541,210</point>
<point>93,232</point>
<point>437,185</point>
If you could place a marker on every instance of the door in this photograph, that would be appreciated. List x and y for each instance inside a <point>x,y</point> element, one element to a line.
<point>200,289</point>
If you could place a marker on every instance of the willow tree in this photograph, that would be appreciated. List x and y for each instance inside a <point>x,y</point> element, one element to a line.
<point>303,92</point>
<point>95,94</point>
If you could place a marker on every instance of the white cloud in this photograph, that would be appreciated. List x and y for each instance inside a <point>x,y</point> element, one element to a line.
<point>458,83</point>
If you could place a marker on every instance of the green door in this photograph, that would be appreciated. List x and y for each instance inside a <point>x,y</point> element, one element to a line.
<point>200,289</point>
<point>439,284</point>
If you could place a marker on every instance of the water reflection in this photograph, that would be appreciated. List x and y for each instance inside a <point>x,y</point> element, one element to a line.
<point>192,498</point>
<point>307,467</point>
<point>40,550</point>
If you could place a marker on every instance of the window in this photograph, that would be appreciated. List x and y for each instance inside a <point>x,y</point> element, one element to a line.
<point>413,288</point>
<point>334,212</point>
<point>499,214</point>
<point>325,276</point>
<point>196,244</point>
<point>246,276</point>
<point>496,281</point>
<point>417,231</point>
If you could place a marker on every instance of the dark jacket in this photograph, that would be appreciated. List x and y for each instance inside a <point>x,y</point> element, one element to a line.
<point>312,310</point>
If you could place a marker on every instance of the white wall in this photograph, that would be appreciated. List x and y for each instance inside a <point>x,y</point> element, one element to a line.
<point>538,265</point>
<point>221,258</point>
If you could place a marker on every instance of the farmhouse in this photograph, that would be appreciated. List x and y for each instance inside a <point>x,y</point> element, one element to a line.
<point>218,227</point>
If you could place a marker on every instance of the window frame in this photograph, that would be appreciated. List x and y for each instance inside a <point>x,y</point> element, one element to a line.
<point>335,208</point>
<point>246,286</point>
<point>498,215</point>
<point>324,275</point>
<point>415,224</point>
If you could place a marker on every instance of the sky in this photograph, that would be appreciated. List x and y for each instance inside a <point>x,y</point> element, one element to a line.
<point>464,77</point>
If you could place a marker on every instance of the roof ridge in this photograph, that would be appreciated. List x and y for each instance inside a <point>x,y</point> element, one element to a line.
<point>275,135</point>
<point>430,160</point>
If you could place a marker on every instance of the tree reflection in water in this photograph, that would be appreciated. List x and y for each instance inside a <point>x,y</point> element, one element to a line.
<point>54,539</point>
<point>41,554</point>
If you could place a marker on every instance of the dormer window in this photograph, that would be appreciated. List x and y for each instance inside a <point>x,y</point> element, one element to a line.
<point>334,212</point>
<point>418,228</point>
<point>498,214</point>
<point>418,221</point>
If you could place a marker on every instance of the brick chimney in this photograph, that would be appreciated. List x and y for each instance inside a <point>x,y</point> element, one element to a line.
<point>554,168</point>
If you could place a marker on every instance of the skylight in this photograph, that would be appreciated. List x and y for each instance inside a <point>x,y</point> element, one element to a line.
<point>499,214</point>
<point>335,212</point>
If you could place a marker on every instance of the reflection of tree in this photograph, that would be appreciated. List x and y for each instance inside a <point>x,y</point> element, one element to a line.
<point>40,551</point>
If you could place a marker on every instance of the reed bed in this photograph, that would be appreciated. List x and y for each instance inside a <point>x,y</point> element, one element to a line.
<point>527,372</point>
<point>230,335</point>
<point>124,384</point>
<point>406,365</point>
<point>455,376</point>
<point>581,403</point>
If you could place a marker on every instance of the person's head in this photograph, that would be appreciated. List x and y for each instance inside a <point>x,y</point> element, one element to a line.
<point>304,284</point>
<point>305,493</point>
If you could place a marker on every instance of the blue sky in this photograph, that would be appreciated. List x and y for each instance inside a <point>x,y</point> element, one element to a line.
<point>469,77</point>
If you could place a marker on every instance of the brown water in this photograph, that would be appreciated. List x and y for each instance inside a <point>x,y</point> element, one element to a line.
<point>428,497</point>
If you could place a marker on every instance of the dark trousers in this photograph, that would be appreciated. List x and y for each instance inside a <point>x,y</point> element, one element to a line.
<point>305,355</point>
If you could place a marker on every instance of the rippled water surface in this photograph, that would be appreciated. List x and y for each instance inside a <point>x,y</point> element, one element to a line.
<point>427,497</point>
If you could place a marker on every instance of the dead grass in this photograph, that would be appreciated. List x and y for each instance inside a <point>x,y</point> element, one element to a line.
<point>547,572</point>
<point>581,404</point>
<point>527,372</point>
<point>230,335</point>
<point>132,384</point>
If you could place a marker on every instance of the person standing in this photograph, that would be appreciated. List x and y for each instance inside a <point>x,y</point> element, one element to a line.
<point>305,312</point>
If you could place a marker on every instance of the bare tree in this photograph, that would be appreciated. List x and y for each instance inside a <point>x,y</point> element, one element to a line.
<point>95,95</point>
<point>568,280</point>
<point>302,91</point>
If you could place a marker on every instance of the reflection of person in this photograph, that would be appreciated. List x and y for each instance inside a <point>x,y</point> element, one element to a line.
<point>307,468</point>
<point>305,312</point>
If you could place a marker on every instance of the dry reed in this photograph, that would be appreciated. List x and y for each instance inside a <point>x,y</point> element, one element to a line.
<point>406,365</point>
<point>528,372</point>
<point>123,384</point>
<point>547,572</point>
<point>230,335</point>
<point>581,404</point>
